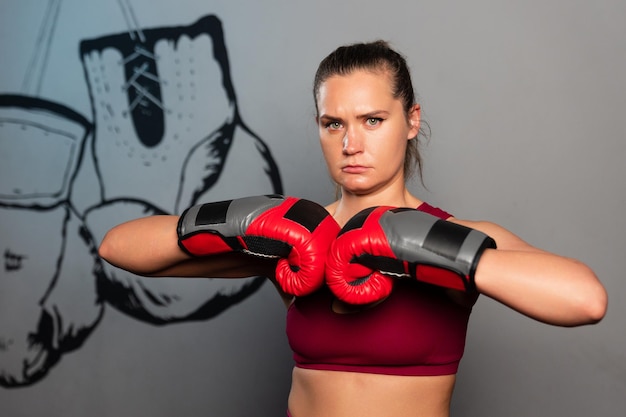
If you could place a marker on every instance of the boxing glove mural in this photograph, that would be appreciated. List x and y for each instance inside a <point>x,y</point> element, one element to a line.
<point>48,294</point>
<point>168,135</point>
<point>165,114</point>
<point>165,134</point>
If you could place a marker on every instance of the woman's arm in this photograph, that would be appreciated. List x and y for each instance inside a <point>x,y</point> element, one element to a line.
<point>149,246</point>
<point>547,287</point>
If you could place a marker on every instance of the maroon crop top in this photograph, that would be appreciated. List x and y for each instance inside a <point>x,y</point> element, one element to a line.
<point>417,330</point>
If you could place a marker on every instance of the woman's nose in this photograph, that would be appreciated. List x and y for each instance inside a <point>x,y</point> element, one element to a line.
<point>352,142</point>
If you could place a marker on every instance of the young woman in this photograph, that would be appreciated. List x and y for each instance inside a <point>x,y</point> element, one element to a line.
<point>397,356</point>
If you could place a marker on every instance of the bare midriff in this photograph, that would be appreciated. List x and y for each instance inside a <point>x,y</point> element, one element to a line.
<point>316,393</point>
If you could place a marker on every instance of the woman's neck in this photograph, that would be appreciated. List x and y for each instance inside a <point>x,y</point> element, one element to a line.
<point>350,204</point>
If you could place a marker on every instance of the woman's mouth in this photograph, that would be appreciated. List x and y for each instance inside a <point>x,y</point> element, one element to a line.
<point>354,169</point>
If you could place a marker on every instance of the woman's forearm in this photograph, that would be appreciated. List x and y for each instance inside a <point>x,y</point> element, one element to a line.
<point>143,246</point>
<point>149,246</point>
<point>544,286</point>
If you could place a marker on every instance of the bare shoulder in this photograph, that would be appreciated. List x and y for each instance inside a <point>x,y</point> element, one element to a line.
<point>505,239</point>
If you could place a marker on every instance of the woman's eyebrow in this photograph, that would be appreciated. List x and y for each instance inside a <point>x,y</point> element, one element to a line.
<point>327,117</point>
<point>374,113</point>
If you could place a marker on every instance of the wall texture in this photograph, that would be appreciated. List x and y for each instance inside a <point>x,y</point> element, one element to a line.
<point>111,110</point>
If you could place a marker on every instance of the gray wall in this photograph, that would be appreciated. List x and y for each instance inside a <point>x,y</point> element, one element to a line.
<point>526,101</point>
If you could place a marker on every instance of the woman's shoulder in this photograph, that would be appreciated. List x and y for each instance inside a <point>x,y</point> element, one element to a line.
<point>505,239</point>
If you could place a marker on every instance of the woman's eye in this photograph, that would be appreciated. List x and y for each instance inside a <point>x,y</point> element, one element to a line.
<point>333,125</point>
<point>373,121</point>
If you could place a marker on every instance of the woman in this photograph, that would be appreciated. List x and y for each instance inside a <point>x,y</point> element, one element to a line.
<point>399,355</point>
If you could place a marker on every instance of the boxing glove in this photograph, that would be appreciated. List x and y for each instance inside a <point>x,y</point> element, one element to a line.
<point>382,243</point>
<point>297,232</point>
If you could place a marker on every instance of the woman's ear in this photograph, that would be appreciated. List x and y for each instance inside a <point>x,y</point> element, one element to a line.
<point>414,121</point>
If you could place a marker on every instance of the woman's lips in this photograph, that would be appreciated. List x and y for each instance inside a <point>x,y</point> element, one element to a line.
<point>354,169</point>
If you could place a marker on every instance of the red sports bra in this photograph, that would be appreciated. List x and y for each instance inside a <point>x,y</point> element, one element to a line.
<point>417,330</point>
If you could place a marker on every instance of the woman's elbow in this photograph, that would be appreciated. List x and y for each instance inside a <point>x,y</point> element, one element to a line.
<point>596,304</point>
<point>593,300</point>
<point>106,250</point>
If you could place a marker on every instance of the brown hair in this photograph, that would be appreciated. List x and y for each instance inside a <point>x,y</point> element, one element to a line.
<point>376,56</point>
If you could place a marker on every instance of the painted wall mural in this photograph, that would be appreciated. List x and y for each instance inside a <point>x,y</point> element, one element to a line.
<point>165,132</point>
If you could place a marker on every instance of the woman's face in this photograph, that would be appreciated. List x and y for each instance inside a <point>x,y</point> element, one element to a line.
<point>364,131</point>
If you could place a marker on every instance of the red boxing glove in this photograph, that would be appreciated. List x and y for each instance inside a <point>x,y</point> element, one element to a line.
<point>381,243</point>
<point>297,232</point>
